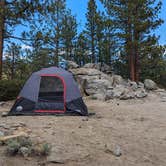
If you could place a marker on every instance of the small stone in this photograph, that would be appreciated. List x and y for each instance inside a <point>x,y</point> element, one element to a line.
<point>85,119</point>
<point>42,163</point>
<point>126,96</point>
<point>133,85</point>
<point>160,90</point>
<point>109,94</point>
<point>2,103</point>
<point>141,94</point>
<point>24,151</point>
<point>53,133</point>
<point>1,134</point>
<point>99,116</point>
<point>163,99</point>
<point>4,126</point>
<point>116,151</point>
<point>55,156</point>
<point>22,124</point>
<point>140,85</point>
<point>99,96</point>
<point>4,114</point>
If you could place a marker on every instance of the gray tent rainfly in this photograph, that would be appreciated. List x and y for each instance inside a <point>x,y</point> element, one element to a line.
<point>50,91</point>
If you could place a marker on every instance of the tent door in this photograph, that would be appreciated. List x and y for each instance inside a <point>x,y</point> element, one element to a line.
<point>51,95</point>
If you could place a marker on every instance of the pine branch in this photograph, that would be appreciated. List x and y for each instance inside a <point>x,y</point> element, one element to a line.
<point>18,38</point>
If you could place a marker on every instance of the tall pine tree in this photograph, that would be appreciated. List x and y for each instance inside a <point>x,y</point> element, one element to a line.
<point>69,32</point>
<point>13,13</point>
<point>134,21</point>
<point>91,28</point>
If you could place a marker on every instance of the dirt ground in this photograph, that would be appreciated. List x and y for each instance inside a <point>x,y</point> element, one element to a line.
<point>138,127</point>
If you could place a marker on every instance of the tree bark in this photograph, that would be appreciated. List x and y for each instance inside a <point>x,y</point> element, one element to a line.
<point>93,49</point>
<point>136,58</point>
<point>130,50</point>
<point>132,64</point>
<point>136,45</point>
<point>13,65</point>
<point>2,22</point>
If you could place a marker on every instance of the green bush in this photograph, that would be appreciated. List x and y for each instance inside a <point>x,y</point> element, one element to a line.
<point>46,148</point>
<point>43,149</point>
<point>12,147</point>
<point>9,89</point>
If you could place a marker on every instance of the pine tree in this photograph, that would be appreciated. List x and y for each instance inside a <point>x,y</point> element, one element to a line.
<point>99,36</point>
<point>13,13</point>
<point>40,58</point>
<point>11,59</point>
<point>55,12</point>
<point>91,28</point>
<point>69,32</point>
<point>134,21</point>
<point>81,52</point>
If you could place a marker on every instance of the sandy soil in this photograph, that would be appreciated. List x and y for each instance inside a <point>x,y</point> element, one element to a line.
<point>138,127</point>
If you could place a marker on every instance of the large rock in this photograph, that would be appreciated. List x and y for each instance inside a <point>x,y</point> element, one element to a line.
<point>140,85</point>
<point>86,72</point>
<point>118,92</point>
<point>107,77</point>
<point>127,95</point>
<point>99,66</point>
<point>92,81</point>
<point>90,65</point>
<point>141,93</point>
<point>150,85</point>
<point>72,65</point>
<point>115,92</point>
<point>133,85</point>
<point>99,96</point>
<point>117,80</point>
<point>94,86</point>
<point>109,94</point>
<point>81,84</point>
<point>2,103</point>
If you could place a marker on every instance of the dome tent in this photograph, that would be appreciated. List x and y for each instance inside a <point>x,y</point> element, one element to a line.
<point>50,91</point>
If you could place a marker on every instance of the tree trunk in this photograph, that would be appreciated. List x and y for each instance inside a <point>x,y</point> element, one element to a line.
<point>56,52</point>
<point>130,50</point>
<point>132,64</point>
<point>93,50</point>
<point>136,41</point>
<point>13,64</point>
<point>2,22</point>
<point>136,59</point>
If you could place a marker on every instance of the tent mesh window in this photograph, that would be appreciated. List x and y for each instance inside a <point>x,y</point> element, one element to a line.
<point>51,89</point>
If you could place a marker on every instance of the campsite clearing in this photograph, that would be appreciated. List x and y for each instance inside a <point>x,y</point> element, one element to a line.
<point>137,127</point>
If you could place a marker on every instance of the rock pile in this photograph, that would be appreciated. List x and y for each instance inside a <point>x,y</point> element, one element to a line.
<point>99,85</point>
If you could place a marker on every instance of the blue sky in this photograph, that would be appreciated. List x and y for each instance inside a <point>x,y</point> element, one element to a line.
<point>79,8</point>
